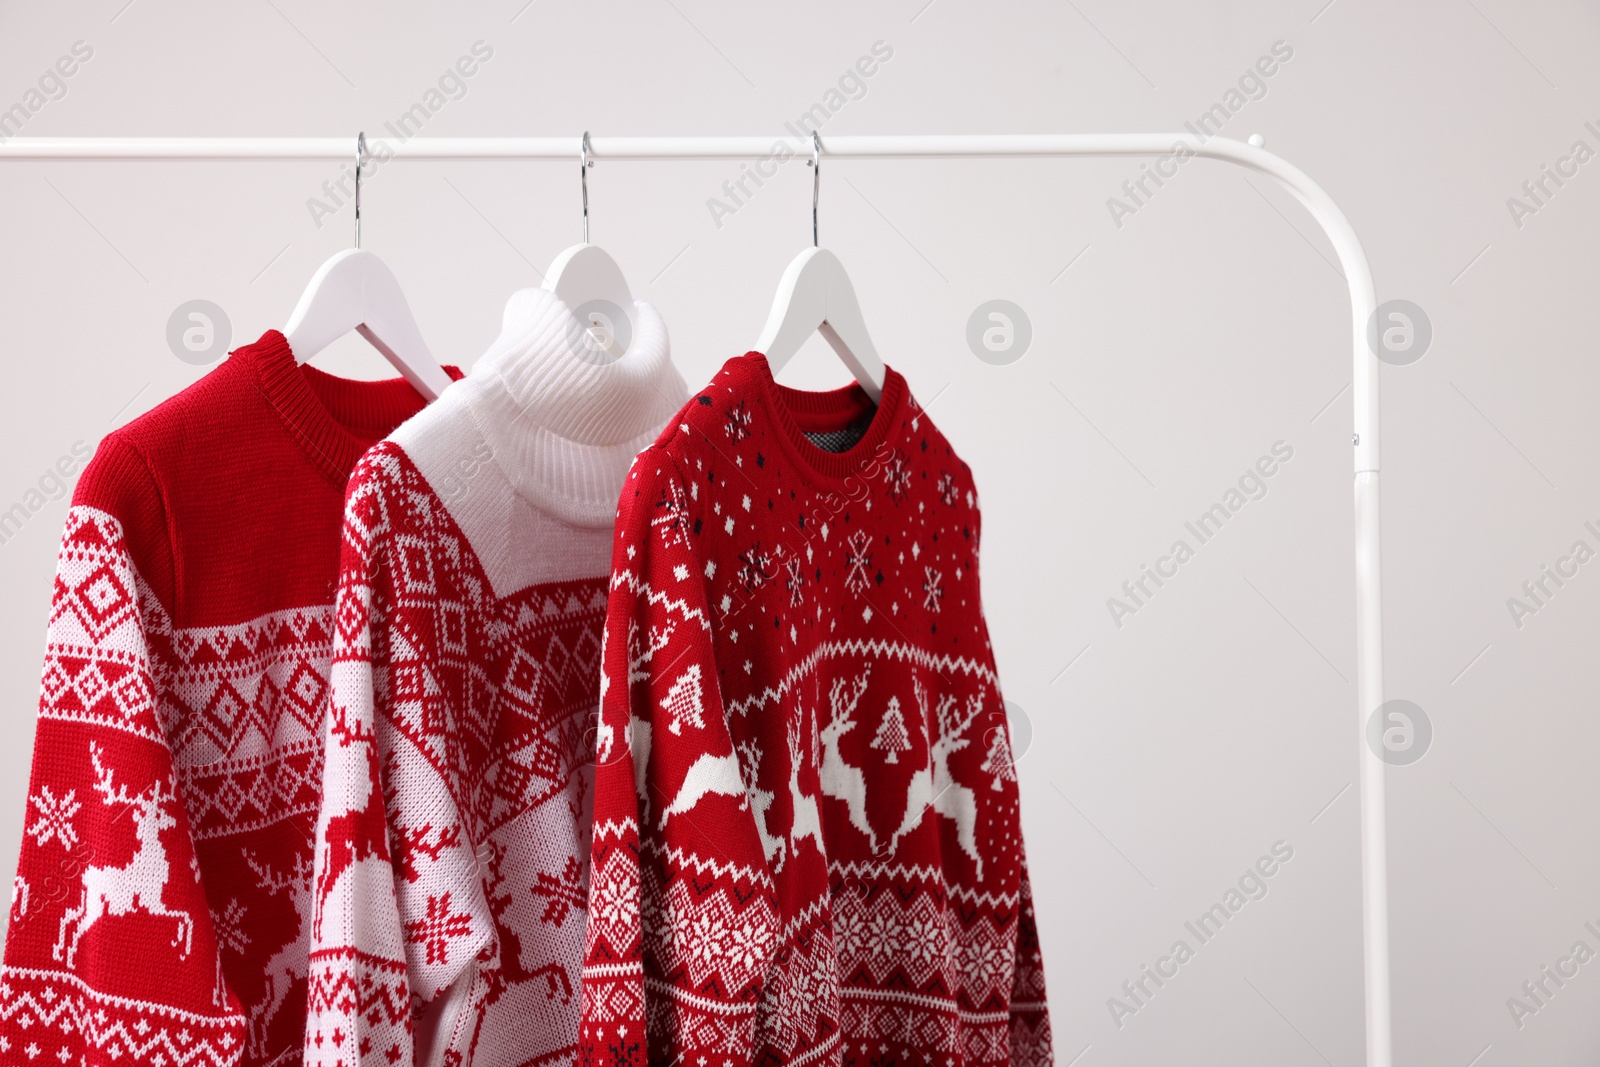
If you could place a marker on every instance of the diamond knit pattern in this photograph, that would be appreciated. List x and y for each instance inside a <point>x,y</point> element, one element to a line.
<point>452,842</point>
<point>162,901</point>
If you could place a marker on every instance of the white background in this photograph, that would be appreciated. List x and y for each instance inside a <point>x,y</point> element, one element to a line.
<point>1171,353</point>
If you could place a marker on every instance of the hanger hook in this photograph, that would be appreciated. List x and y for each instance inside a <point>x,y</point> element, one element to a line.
<point>816,181</point>
<point>361,155</point>
<point>584,163</point>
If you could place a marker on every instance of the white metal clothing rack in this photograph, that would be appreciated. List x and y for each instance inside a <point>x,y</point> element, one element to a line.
<point>1353,260</point>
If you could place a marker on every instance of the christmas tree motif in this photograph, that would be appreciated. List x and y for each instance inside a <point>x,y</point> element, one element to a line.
<point>998,761</point>
<point>683,701</point>
<point>892,736</point>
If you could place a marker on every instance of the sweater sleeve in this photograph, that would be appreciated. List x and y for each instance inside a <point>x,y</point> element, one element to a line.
<point>683,922</point>
<point>110,952</point>
<point>1030,1015</point>
<point>400,912</point>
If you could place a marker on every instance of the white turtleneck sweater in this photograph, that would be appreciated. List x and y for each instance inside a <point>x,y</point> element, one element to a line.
<point>453,839</point>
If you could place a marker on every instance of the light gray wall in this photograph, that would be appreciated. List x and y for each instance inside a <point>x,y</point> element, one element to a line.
<point>1173,351</point>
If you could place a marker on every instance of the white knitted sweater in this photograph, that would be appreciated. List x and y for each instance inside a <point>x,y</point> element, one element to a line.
<point>453,839</point>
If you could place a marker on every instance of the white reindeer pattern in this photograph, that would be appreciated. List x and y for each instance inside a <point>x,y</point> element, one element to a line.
<point>760,801</point>
<point>807,821</point>
<point>841,780</point>
<point>138,886</point>
<point>636,735</point>
<point>933,786</point>
<point>708,775</point>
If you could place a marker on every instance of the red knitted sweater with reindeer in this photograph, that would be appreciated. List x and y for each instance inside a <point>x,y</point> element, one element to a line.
<point>806,845</point>
<point>160,906</point>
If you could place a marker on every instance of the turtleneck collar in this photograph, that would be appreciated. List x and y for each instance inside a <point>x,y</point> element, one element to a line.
<point>562,417</point>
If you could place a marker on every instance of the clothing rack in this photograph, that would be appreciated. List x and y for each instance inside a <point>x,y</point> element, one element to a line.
<point>1352,259</point>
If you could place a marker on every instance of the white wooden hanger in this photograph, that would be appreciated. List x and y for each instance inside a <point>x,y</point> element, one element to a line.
<point>355,290</point>
<point>590,282</point>
<point>815,296</point>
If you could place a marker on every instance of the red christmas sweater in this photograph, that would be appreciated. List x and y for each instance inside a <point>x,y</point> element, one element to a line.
<point>160,906</point>
<point>806,837</point>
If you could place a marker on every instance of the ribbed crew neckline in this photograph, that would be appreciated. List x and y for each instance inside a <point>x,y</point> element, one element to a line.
<point>563,419</point>
<point>333,420</point>
<point>798,410</point>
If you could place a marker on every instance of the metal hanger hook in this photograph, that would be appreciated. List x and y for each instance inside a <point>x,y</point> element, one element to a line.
<point>815,164</point>
<point>361,157</point>
<point>584,163</point>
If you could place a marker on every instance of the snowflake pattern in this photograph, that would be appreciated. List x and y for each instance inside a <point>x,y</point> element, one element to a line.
<point>932,592</point>
<point>55,817</point>
<point>867,951</point>
<point>229,924</point>
<point>858,557</point>
<point>673,515</point>
<point>435,930</point>
<point>755,568</point>
<point>715,938</point>
<point>613,906</point>
<point>922,938</point>
<point>897,475</point>
<point>566,892</point>
<point>738,425</point>
<point>985,959</point>
<point>795,581</point>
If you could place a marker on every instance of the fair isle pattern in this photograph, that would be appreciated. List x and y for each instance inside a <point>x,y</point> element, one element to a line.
<point>105,624</point>
<point>36,1004</point>
<point>227,714</point>
<point>223,711</point>
<point>807,843</point>
<point>857,651</point>
<point>459,736</point>
<point>244,707</point>
<point>162,897</point>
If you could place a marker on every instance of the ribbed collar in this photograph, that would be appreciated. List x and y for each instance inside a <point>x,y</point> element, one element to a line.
<point>797,410</point>
<point>333,420</point>
<point>564,419</point>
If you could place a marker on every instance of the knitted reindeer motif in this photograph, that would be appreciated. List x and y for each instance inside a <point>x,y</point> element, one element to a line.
<point>288,962</point>
<point>807,821</point>
<point>139,884</point>
<point>933,786</point>
<point>636,734</point>
<point>359,833</point>
<point>708,774</point>
<point>841,780</point>
<point>760,802</point>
